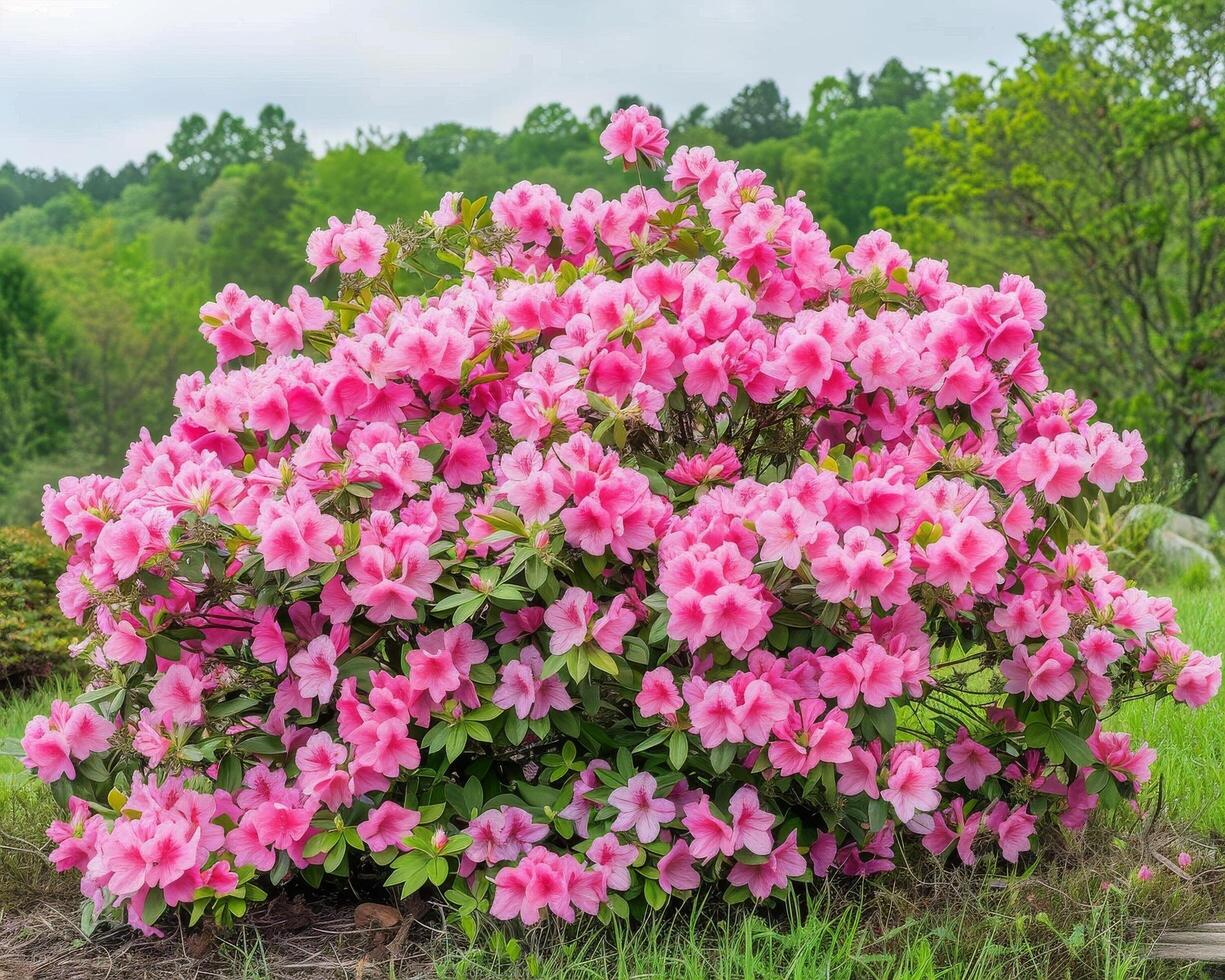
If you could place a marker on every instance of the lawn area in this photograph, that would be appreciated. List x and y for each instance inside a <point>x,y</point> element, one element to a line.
<point>1082,912</point>
<point>1189,744</point>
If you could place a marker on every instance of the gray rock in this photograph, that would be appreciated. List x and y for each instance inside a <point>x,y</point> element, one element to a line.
<point>1194,529</point>
<point>1178,554</point>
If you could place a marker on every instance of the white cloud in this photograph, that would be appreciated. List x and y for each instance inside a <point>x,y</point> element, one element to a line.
<point>87,82</point>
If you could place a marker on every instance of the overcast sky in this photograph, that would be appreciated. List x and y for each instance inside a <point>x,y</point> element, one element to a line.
<point>104,81</point>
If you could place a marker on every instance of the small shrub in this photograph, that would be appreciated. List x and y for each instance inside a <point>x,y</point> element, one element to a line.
<point>34,635</point>
<point>652,545</point>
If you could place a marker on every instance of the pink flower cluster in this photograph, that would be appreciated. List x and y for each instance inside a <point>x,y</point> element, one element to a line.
<point>664,546</point>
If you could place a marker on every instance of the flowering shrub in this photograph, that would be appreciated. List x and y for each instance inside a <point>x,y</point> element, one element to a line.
<point>652,543</point>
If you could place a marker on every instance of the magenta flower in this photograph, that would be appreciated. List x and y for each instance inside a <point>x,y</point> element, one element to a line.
<point>635,131</point>
<point>387,826</point>
<point>762,878</point>
<point>659,695</point>
<point>969,761</point>
<point>711,835</point>
<point>912,782</point>
<point>676,871</point>
<point>613,859</point>
<point>570,619</point>
<point>70,734</point>
<point>639,809</point>
<point>177,696</point>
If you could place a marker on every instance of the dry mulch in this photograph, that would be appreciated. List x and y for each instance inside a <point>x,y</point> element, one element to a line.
<point>291,937</point>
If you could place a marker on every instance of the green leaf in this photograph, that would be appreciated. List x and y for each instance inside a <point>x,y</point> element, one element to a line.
<point>262,745</point>
<point>1074,747</point>
<point>232,706</point>
<point>466,611</point>
<point>356,667</point>
<point>602,660</point>
<point>502,519</point>
<point>155,905</point>
<point>457,739</point>
<point>535,573</point>
<point>454,600</point>
<point>229,773</point>
<point>721,757</point>
<point>320,843</point>
<point>1097,781</point>
<point>678,749</point>
<point>336,855</point>
<point>93,768</point>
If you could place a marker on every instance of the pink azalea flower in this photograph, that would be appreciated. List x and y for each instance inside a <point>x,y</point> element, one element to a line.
<point>720,465</point>
<point>387,825</point>
<point>609,630</point>
<point>362,246</point>
<point>1045,675</point>
<point>293,532</point>
<point>1014,828</point>
<point>315,669</point>
<point>713,713</point>
<point>569,618</point>
<point>760,708</point>
<point>711,835</point>
<point>968,554</point>
<point>1198,680</point>
<point>523,689</point>
<point>177,696</point>
<point>783,863</point>
<point>676,871</point>
<point>969,761</point>
<point>861,773</point>
<point>912,782</point>
<point>613,859</point>
<point>70,733</point>
<point>804,739</point>
<point>658,695</point>
<point>961,831</point>
<point>751,825</point>
<point>635,131</point>
<point>1114,752</point>
<point>639,809</point>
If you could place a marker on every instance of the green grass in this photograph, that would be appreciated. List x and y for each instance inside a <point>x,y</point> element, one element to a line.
<point>1189,743</point>
<point>26,806</point>
<point>845,936</point>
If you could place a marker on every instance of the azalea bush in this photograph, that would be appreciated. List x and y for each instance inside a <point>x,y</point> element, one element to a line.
<point>647,545</point>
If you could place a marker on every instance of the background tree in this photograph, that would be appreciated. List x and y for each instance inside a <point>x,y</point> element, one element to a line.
<point>757,112</point>
<point>33,419</point>
<point>199,153</point>
<point>247,241</point>
<point>1098,167</point>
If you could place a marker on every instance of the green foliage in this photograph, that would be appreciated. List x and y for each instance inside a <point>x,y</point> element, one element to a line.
<point>367,174</point>
<point>757,112</point>
<point>1098,167</point>
<point>246,245</point>
<point>199,153</point>
<point>32,416</point>
<point>34,635</point>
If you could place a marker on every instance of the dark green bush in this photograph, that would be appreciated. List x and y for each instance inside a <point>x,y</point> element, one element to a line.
<point>34,635</point>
